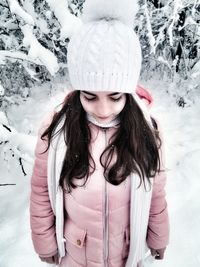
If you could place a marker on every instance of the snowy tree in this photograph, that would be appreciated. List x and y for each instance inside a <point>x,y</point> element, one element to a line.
<point>33,46</point>
<point>33,42</point>
<point>170,33</point>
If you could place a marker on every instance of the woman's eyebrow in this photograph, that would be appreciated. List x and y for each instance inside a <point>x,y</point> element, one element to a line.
<point>88,93</point>
<point>112,94</point>
<point>116,93</point>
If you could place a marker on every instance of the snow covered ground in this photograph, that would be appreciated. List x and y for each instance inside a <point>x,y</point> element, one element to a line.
<point>181,133</point>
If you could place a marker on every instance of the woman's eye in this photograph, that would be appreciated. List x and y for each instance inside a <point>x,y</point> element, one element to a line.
<point>89,99</point>
<point>94,99</point>
<point>116,99</point>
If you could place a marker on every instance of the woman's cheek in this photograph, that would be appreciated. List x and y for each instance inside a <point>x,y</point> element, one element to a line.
<point>118,107</point>
<point>89,109</point>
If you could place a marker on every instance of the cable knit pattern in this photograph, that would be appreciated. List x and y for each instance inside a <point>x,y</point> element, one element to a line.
<point>104,56</point>
<point>93,54</point>
<point>120,48</point>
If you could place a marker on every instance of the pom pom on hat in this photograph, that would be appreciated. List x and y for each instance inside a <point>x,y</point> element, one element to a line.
<point>122,10</point>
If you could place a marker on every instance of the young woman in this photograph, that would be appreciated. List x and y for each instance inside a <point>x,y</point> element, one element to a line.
<point>98,196</point>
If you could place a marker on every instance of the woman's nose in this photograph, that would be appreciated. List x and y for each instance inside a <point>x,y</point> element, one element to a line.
<point>104,110</point>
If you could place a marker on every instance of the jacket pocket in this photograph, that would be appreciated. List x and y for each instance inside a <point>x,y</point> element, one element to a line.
<point>126,242</point>
<point>75,242</point>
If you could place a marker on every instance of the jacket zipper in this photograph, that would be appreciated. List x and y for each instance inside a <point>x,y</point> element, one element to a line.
<point>105,218</point>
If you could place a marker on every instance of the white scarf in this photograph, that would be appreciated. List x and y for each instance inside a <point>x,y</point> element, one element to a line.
<point>140,201</point>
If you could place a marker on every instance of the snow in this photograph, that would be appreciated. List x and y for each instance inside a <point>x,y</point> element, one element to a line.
<point>16,9</point>
<point>15,56</point>
<point>37,51</point>
<point>196,70</point>
<point>37,54</point>
<point>177,6</point>
<point>2,90</point>
<point>69,23</point>
<point>149,29</point>
<point>3,118</point>
<point>40,22</point>
<point>181,134</point>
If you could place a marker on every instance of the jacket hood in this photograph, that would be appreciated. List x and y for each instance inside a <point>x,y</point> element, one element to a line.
<point>144,95</point>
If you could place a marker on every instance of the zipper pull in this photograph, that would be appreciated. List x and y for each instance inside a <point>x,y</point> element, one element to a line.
<point>104,128</point>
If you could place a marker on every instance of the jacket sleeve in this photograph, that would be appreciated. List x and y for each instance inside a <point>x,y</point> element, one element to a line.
<point>158,225</point>
<point>42,219</point>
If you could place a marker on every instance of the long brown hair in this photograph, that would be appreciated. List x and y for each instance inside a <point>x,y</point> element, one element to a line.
<point>135,144</point>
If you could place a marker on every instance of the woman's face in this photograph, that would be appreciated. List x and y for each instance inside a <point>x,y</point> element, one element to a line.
<point>104,106</point>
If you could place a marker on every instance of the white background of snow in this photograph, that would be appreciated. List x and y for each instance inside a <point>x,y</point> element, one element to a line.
<point>181,132</point>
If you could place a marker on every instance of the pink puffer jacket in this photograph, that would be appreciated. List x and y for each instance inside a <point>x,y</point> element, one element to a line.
<point>91,231</point>
<point>91,234</point>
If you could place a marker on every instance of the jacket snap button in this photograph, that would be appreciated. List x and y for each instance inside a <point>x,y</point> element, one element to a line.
<point>78,241</point>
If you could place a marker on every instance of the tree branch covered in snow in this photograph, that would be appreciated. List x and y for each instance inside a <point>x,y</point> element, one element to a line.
<point>16,9</point>
<point>6,184</point>
<point>34,33</point>
<point>15,144</point>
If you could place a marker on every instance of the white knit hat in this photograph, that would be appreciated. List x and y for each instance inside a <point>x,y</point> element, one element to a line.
<point>105,53</point>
